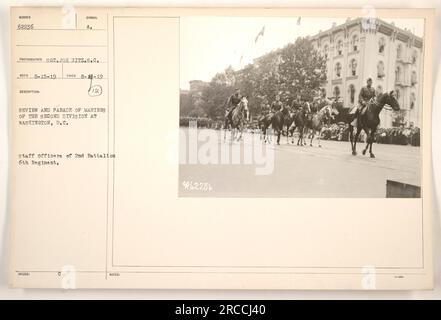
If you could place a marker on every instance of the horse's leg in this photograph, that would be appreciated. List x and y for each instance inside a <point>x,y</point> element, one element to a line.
<point>305,135</point>
<point>351,136</point>
<point>372,141</point>
<point>240,128</point>
<point>368,139</point>
<point>311,135</point>
<point>237,136</point>
<point>275,134</point>
<point>319,135</point>
<point>301,133</point>
<point>292,129</point>
<point>354,149</point>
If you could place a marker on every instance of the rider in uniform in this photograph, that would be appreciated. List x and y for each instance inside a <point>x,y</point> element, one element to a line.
<point>366,94</point>
<point>233,102</point>
<point>276,105</point>
<point>297,103</point>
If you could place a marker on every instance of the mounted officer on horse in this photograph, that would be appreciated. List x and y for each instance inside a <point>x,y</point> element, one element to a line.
<point>366,94</point>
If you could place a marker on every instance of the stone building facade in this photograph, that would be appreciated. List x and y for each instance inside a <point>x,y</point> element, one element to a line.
<point>392,57</point>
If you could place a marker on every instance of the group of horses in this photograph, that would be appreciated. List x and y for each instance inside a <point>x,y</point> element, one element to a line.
<point>313,123</point>
<point>296,119</point>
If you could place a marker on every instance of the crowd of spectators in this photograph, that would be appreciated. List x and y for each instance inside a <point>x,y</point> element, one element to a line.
<point>337,131</point>
<point>396,135</point>
<point>401,135</point>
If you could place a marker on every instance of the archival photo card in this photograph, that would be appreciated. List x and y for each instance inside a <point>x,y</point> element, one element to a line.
<point>301,107</point>
<point>221,148</point>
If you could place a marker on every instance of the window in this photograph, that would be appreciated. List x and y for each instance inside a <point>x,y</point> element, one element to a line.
<point>413,78</point>
<point>398,74</point>
<point>412,100</point>
<point>399,51</point>
<point>326,51</point>
<point>354,42</point>
<point>353,67</point>
<point>414,56</point>
<point>380,70</point>
<point>338,69</point>
<point>336,91</point>
<point>398,93</point>
<point>339,47</point>
<point>381,45</point>
<point>352,93</point>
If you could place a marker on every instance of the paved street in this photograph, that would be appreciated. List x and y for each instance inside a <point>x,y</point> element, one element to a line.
<point>330,171</point>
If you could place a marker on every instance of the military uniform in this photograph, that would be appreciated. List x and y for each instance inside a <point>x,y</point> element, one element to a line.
<point>366,94</point>
<point>296,105</point>
<point>233,102</point>
<point>276,106</point>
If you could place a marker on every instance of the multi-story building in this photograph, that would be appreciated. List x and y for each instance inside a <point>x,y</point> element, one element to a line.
<point>391,56</point>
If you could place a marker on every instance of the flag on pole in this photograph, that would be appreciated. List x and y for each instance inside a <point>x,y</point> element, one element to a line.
<point>261,33</point>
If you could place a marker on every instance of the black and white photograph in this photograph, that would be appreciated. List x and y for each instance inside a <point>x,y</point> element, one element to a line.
<point>301,107</point>
<point>267,151</point>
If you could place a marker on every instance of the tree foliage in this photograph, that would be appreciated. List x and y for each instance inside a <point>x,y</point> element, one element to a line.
<point>295,69</point>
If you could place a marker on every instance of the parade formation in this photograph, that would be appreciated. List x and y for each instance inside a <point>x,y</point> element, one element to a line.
<point>311,117</point>
<point>311,102</point>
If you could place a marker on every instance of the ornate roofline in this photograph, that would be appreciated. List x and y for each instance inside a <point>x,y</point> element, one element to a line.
<point>379,26</point>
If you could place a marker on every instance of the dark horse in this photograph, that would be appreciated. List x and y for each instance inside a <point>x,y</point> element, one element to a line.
<point>369,120</point>
<point>288,121</point>
<point>300,120</point>
<point>278,121</point>
<point>264,122</point>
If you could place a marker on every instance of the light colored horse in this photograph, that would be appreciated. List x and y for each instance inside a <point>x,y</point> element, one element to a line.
<point>238,119</point>
<point>317,122</point>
